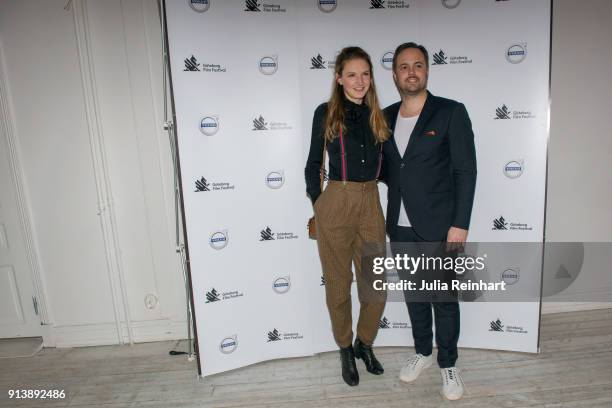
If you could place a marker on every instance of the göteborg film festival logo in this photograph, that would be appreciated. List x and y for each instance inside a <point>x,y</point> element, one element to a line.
<point>191,64</point>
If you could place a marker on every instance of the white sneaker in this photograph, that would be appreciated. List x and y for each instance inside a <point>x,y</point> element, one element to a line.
<point>413,367</point>
<point>452,383</point>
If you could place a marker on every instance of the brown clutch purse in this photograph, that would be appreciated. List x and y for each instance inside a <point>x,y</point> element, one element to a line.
<point>312,228</point>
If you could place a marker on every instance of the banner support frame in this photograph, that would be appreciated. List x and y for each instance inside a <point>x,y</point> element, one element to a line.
<point>182,247</point>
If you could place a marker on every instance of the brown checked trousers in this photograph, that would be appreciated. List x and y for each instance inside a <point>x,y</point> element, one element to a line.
<point>348,215</point>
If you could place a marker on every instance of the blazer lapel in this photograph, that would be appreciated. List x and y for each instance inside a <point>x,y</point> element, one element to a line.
<point>392,119</point>
<point>417,132</point>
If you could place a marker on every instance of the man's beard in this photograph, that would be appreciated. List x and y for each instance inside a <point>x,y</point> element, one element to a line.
<point>412,90</point>
<point>405,91</point>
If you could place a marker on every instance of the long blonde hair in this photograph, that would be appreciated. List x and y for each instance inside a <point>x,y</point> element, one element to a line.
<point>335,107</point>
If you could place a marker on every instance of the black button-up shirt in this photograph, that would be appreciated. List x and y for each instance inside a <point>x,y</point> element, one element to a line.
<point>360,146</point>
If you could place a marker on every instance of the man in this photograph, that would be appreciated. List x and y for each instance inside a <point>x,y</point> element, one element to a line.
<point>430,171</point>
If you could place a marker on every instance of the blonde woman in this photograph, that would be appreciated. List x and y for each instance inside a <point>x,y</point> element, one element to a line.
<point>352,128</point>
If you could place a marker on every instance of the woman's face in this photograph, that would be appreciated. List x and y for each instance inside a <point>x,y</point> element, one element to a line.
<point>355,79</point>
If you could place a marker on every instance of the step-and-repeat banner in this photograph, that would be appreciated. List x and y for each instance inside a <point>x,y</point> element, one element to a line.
<point>247,76</point>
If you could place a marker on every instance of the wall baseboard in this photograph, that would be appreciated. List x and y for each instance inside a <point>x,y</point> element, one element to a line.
<point>104,334</point>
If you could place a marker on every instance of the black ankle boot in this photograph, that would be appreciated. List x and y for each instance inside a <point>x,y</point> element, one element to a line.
<point>349,368</point>
<point>365,352</point>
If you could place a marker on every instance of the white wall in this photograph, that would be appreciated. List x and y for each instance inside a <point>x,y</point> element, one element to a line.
<point>580,180</point>
<point>86,94</point>
<point>580,150</point>
<point>86,98</point>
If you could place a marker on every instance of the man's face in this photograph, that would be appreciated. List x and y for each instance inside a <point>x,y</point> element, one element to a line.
<point>411,72</point>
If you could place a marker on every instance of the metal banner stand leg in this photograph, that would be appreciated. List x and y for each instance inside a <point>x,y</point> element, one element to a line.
<point>180,245</point>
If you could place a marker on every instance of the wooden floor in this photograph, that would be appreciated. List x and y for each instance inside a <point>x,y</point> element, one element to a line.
<point>574,369</point>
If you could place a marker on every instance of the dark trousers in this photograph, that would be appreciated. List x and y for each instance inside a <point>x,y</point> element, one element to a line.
<point>446,309</point>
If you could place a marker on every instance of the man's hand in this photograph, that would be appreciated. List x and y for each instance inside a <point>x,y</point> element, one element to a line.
<point>455,239</point>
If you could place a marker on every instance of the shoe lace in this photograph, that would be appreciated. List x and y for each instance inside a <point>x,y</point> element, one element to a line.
<point>414,360</point>
<point>451,376</point>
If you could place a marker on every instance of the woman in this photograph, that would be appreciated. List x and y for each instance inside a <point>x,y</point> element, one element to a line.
<point>351,127</point>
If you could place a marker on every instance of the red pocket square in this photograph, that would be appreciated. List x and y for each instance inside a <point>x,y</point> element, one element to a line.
<point>430,133</point>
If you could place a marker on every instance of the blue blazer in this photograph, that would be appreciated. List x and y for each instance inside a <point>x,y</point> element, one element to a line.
<point>436,175</point>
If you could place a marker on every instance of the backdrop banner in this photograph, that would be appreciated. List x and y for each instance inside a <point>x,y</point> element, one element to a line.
<point>247,76</point>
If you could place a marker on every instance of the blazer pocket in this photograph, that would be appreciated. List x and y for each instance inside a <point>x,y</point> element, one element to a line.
<point>429,142</point>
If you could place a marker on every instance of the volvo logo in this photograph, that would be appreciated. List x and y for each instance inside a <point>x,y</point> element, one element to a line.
<point>451,4</point>
<point>218,240</point>
<point>268,65</point>
<point>228,345</point>
<point>513,169</point>
<point>199,5</point>
<point>209,125</point>
<point>511,276</point>
<point>516,53</point>
<point>327,6</point>
<point>281,285</point>
<point>275,179</point>
<point>387,60</point>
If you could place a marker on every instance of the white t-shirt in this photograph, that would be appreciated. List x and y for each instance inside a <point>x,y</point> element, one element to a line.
<point>403,130</point>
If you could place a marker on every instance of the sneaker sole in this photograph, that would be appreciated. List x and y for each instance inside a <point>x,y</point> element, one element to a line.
<point>451,398</point>
<point>406,380</point>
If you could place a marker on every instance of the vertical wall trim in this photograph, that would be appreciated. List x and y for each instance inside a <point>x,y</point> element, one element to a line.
<point>102,179</point>
<point>7,131</point>
<point>139,142</point>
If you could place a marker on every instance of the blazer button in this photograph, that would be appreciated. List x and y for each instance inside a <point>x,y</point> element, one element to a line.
<point>402,165</point>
